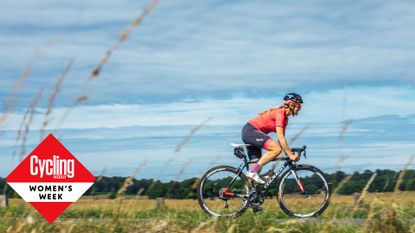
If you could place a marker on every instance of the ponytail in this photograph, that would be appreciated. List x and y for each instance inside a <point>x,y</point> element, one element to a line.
<point>270,109</point>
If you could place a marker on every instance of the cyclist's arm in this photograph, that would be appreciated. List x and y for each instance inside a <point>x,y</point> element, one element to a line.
<point>283,143</point>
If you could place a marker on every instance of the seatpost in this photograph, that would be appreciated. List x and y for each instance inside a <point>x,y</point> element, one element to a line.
<point>245,163</point>
<point>246,157</point>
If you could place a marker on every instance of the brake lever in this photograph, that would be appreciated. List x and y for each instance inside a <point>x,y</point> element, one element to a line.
<point>305,152</point>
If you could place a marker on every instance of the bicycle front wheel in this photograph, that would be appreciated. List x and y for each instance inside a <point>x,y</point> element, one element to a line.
<point>303,191</point>
<point>223,191</point>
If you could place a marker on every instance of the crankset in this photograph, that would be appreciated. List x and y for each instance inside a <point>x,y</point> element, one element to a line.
<point>256,198</point>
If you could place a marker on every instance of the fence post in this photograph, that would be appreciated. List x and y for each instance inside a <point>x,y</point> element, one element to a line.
<point>160,203</point>
<point>4,201</point>
<point>357,200</point>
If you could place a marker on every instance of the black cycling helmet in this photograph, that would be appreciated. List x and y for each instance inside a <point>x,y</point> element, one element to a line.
<point>293,98</point>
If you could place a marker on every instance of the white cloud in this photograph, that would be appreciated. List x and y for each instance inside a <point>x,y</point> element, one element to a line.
<point>332,106</point>
<point>122,136</point>
<point>200,48</point>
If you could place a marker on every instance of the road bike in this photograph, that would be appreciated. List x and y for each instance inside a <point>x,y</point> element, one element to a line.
<point>302,190</point>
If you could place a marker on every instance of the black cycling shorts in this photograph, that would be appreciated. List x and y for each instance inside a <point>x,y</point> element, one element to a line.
<point>250,135</point>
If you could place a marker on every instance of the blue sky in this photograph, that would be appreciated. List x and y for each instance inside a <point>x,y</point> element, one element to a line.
<point>191,60</point>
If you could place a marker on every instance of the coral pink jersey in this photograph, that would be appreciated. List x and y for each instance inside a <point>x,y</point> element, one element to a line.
<point>267,122</point>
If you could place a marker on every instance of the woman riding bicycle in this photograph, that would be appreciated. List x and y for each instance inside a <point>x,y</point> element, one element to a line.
<point>272,120</point>
<point>225,191</point>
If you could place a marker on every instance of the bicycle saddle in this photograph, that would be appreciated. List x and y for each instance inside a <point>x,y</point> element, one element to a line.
<point>240,145</point>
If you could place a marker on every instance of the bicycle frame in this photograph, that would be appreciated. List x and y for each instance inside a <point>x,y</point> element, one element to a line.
<point>246,163</point>
<point>288,163</point>
<point>277,173</point>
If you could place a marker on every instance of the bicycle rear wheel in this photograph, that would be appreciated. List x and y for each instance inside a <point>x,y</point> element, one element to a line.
<point>303,191</point>
<point>223,191</point>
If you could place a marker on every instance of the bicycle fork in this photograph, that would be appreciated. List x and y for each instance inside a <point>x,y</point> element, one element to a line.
<point>299,183</point>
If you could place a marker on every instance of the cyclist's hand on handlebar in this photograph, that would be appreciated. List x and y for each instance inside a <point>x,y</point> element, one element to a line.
<point>294,157</point>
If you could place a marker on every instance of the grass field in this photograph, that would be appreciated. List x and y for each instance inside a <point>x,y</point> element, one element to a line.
<point>389,212</point>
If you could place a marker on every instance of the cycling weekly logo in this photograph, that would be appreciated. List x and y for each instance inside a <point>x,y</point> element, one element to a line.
<point>50,178</point>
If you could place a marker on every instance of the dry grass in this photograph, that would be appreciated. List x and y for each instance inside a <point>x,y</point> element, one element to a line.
<point>139,203</point>
<point>52,98</point>
<point>124,36</point>
<point>11,101</point>
<point>179,148</point>
<point>81,96</point>
<point>132,214</point>
<point>29,119</point>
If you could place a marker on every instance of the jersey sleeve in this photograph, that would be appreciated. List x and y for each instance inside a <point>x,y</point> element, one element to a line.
<point>280,119</point>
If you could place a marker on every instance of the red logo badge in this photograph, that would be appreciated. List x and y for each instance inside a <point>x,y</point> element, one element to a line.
<point>50,178</point>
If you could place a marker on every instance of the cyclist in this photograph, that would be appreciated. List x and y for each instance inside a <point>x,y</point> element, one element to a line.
<point>272,120</point>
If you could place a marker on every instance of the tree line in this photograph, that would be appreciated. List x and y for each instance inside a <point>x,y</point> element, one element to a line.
<point>384,181</point>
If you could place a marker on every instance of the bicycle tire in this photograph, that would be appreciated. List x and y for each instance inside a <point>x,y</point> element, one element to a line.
<point>202,195</point>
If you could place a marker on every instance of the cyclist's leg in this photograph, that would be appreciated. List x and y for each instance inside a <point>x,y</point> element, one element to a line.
<point>260,140</point>
<point>257,139</point>
<point>274,149</point>
<point>254,154</point>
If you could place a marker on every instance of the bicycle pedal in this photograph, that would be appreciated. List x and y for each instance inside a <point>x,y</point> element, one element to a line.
<point>266,178</point>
